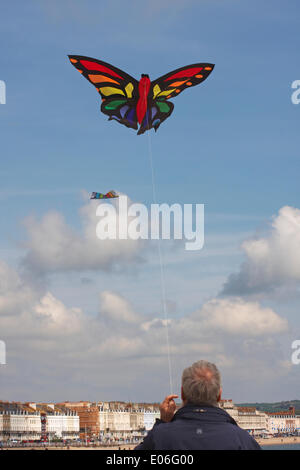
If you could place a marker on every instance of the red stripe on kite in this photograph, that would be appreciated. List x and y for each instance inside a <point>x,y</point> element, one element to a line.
<point>101,68</point>
<point>185,73</point>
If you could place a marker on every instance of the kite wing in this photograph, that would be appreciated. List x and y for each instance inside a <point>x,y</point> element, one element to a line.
<point>171,85</point>
<point>111,194</point>
<point>119,91</point>
<point>96,196</point>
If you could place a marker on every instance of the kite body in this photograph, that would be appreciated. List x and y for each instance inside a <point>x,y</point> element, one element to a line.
<point>109,195</point>
<point>140,105</point>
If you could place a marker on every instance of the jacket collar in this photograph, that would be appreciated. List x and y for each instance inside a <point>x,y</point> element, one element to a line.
<point>204,411</point>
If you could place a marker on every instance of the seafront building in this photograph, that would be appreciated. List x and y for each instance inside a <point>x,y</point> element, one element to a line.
<point>35,421</point>
<point>248,418</point>
<point>117,422</point>
<point>259,422</point>
<point>284,421</point>
<point>58,422</point>
<point>88,413</point>
<point>126,421</point>
<point>19,422</point>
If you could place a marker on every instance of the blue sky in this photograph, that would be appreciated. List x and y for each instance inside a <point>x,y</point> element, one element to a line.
<point>232,143</point>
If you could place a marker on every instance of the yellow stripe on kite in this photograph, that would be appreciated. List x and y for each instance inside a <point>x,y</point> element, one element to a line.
<point>129,90</point>
<point>166,93</point>
<point>108,90</point>
<point>156,90</point>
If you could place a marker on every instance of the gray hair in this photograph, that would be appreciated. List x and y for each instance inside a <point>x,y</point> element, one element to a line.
<point>201,383</point>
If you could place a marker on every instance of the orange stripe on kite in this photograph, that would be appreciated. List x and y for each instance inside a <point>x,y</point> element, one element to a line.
<point>100,68</point>
<point>175,84</point>
<point>97,78</point>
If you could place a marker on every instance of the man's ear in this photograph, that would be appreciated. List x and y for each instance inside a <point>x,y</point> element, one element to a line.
<point>220,395</point>
<point>182,395</point>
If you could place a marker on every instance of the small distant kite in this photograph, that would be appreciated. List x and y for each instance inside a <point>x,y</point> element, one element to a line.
<point>109,195</point>
<point>132,102</point>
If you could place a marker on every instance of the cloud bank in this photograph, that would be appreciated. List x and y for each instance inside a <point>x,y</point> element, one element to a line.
<point>54,246</point>
<point>272,260</point>
<point>119,349</point>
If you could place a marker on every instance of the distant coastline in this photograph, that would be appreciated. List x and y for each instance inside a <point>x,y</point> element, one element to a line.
<point>270,407</point>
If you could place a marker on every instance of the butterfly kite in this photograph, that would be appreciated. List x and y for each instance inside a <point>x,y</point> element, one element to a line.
<point>109,195</point>
<point>138,103</point>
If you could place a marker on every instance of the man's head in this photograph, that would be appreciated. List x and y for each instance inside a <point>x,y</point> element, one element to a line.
<point>201,383</point>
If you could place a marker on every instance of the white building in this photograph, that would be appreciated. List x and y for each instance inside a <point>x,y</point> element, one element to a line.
<point>125,421</point>
<point>1,427</point>
<point>248,418</point>
<point>284,422</point>
<point>150,417</point>
<point>19,422</point>
<point>115,421</point>
<point>31,422</point>
<point>59,421</point>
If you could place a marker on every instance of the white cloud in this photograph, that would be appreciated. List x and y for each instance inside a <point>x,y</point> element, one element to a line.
<point>53,246</point>
<point>58,318</point>
<point>15,295</point>
<point>271,260</point>
<point>155,323</point>
<point>116,308</point>
<point>238,317</point>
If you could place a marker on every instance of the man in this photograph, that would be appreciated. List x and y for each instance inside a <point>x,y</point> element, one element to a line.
<point>200,424</point>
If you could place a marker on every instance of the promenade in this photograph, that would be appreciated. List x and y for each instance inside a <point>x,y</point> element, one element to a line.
<point>263,442</point>
<point>279,441</point>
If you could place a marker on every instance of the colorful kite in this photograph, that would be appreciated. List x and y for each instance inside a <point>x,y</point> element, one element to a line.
<point>109,195</point>
<point>134,103</point>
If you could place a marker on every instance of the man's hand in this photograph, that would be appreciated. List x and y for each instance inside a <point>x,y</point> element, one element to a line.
<point>167,408</point>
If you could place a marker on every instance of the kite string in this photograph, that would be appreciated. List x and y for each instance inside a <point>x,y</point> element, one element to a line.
<point>162,274</point>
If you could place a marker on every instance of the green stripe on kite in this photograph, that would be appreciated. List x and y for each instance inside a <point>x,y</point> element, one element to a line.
<point>114,104</point>
<point>163,107</point>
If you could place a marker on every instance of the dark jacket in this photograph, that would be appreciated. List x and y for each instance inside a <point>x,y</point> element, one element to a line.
<point>197,427</point>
